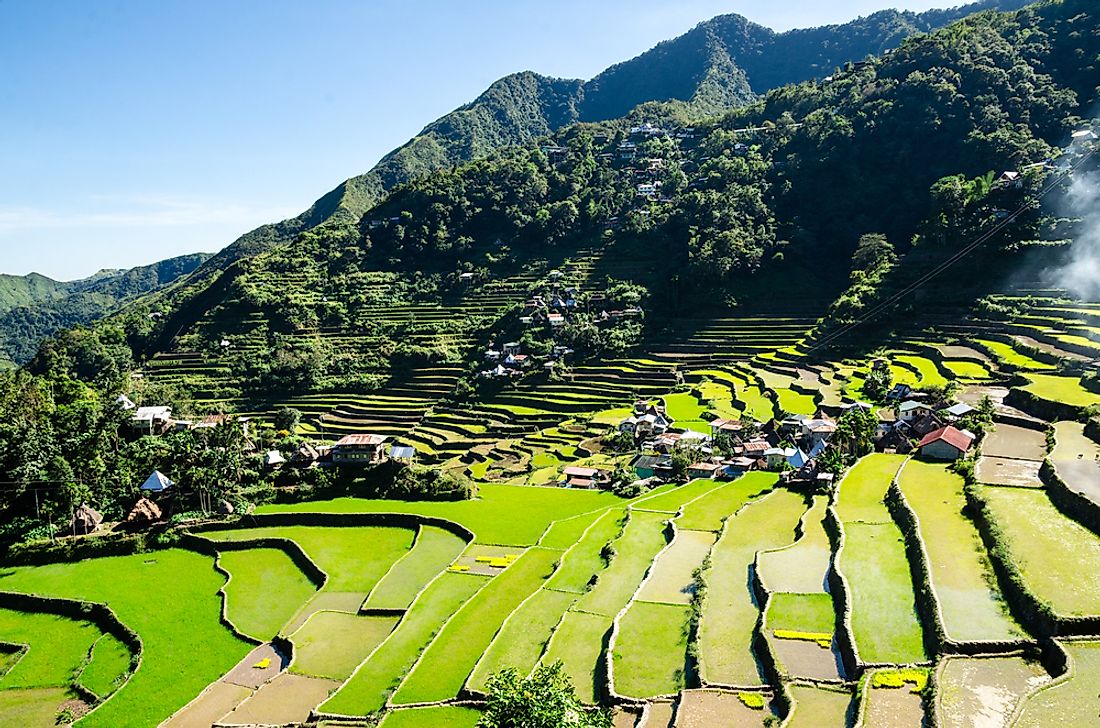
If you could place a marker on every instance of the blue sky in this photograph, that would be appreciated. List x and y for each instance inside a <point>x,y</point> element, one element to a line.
<point>133,131</point>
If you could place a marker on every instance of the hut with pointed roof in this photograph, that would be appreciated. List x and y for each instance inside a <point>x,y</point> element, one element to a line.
<point>85,520</point>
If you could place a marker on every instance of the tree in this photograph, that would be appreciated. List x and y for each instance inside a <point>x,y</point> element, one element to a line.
<point>878,383</point>
<point>288,419</point>
<point>855,431</point>
<point>546,699</point>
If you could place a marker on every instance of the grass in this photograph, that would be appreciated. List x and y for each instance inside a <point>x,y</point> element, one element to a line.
<point>801,567</point>
<point>502,514</point>
<point>816,706</point>
<point>265,589</point>
<point>1059,558</point>
<point>433,551</point>
<point>642,539</point>
<point>1004,353</point>
<point>171,599</point>
<point>967,369</point>
<point>672,501</point>
<point>332,644</point>
<point>683,406</point>
<point>962,576</point>
<point>366,691</point>
<point>1067,390</point>
<point>1067,703</point>
<point>884,616</point>
<point>864,487</point>
<point>521,641</point>
<point>672,577</point>
<point>108,667</point>
<point>354,558</point>
<point>711,510</point>
<point>802,612</point>
<point>578,644</point>
<point>795,403</point>
<point>58,647</point>
<point>729,612</point>
<point>585,559</point>
<point>448,715</point>
<point>651,650</point>
<point>443,668</point>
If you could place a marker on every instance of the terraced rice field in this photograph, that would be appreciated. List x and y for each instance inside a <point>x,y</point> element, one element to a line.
<point>874,564</point>
<point>1067,390</point>
<point>1076,459</point>
<point>265,590</point>
<point>1058,558</point>
<point>171,599</point>
<point>984,691</point>
<point>729,612</point>
<point>1068,700</point>
<point>972,606</point>
<point>816,706</point>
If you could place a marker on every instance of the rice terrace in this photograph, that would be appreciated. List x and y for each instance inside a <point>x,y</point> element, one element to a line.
<point>753,382</point>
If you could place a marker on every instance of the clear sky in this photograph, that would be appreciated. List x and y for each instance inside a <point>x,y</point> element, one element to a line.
<point>135,130</point>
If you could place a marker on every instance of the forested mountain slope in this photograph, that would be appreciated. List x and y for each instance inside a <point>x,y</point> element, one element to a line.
<point>720,64</point>
<point>34,307</point>
<point>758,210</point>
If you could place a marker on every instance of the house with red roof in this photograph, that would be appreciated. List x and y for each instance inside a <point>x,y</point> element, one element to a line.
<point>946,443</point>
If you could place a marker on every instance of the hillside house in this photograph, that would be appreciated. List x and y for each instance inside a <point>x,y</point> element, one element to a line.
<point>125,403</point>
<point>360,450</point>
<point>818,431</point>
<point>778,457</point>
<point>910,410</point>
<point>735,467</point>
<point>899,392</point>
<point>649,466</point>
<point>274,459</point>
<point>578,477</point>
<point>705,470</point>
<point>402,453</point>
<point>151,420</point>
<point>946,443</point>
<point>955,411</point>
<point>1011,179</point>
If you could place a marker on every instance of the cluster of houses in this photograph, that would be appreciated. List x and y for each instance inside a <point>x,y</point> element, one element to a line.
<point>794,444</point>
<point>549,308</point>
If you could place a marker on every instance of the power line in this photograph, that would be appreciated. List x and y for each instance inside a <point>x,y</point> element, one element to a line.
<point>939,269</point>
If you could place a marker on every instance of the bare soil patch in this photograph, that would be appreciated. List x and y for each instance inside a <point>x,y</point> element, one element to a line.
<point>962,352</point>
<point>623,718</point>
<point>288,698</point>
<point>657,715</point>
<point>1006,471</point>
<point>1010,441</point>
<point>893,708</point>
<point>215,702</point>
<point>709,708</point>
<point>251,672</point>
<point>802,658</point>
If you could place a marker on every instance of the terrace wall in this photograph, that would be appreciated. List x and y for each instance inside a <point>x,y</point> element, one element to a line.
<point>1071,503</point>
<point>1036,615</point>
<point>936,639</point>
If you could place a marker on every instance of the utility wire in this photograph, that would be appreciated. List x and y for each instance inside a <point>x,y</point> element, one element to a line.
<point>981,240</point>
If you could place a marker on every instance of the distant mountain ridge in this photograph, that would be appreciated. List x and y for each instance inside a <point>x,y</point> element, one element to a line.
<point>33,307</point>
<point>720,64</point>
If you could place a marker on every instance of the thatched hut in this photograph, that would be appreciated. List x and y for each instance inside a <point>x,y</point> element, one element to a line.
<point>144,512</point>
<point>225,508</point>
<point>85,520</point>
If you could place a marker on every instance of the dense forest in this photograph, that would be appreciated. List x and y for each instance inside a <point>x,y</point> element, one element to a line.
<point>34,307</point>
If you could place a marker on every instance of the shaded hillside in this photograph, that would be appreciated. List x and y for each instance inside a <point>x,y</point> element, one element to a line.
<point>720,64</point>
<point>701,222</point>
<point>34,307</point>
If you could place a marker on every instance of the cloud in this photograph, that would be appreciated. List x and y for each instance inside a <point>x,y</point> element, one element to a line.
<point>148,211</point>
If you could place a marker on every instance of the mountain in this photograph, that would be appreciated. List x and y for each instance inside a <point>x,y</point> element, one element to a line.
<point>755,213</point>
<point>34,307</point>
<point>720,64</point>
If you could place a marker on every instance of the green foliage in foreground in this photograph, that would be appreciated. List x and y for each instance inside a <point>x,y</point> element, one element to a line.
<point>546,699</point>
